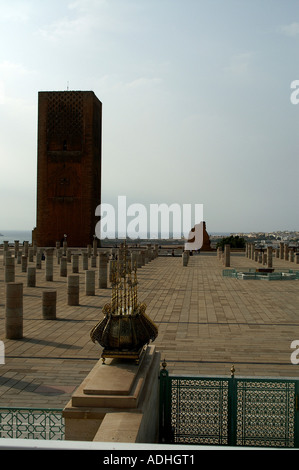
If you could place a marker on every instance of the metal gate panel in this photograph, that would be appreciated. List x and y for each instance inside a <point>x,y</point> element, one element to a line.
<point>266,413</point>
<point>232,411</point>
<point>199,407</point>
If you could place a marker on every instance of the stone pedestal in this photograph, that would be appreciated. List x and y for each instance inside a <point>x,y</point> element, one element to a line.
<point>31,276</point>
<point>14,310</point>
<point>89,282</point>
<point>49,264</point>
<point>84,260</point>
<point>24,263</point>
<point>117,402</point>
<point>75,263</point>
<point>9,270</point>
<point>49,298</point>
<point>63,266</point>
<point>73,289</point>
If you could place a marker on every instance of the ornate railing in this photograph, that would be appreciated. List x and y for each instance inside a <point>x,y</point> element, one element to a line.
<point>31,423</point>
<point>229,411</point>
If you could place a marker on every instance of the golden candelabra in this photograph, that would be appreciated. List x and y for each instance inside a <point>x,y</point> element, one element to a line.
<point>125,328</point>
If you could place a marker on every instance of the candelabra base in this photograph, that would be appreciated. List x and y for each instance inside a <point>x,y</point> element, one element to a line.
<point>123,354</point>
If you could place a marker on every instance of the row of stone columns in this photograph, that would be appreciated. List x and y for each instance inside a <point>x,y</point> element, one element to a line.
<point>266,257</point>
<point>14,290</point>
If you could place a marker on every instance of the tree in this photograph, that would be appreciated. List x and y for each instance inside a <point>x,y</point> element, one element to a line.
<point>233,241</point>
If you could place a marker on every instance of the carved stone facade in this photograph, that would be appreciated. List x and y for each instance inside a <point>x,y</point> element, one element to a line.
<point>69,167</point>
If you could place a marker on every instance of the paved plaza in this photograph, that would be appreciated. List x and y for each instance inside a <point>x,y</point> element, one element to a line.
<point>207,323</point>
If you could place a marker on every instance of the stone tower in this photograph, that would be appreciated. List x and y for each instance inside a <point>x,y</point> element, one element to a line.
<point>68,167</point>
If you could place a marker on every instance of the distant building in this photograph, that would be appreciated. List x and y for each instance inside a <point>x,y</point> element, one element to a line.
<point>68,167</point>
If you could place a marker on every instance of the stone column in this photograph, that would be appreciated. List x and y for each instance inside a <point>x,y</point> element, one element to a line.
<point>17,247</point>
<point>31,276</point>
<point>103,268</point>
<point>75,263</point>
<point>286,252</point>
<point>24,264</point>
<point>5,245</point>
<point>84,260</point>
<point>93,261</point>
<point>69,255</point>
<point>64,246</point>
<point>38,261</point>
<point>49,299</point>
<point>297,258</point>
<point>63,267</point>
<point>25,248</point>
<point>49,264</point>
<point>269,257</point>
<point>19,257</point>
<point>281,249</point>
<point>89,282</point>
<point>291,256</point>
<point>5,251</point>
<point>95,247</point>
<point>59,254</point>
<point>253,251</point>
<point>185,258</point>
<point>14,310</point>
<point>9,270</point>
<point>73,289</point>
<point>226,256</point>
<point>30,255</point>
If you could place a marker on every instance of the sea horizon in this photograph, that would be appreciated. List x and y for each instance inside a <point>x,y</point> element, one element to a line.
<point>26,235</point>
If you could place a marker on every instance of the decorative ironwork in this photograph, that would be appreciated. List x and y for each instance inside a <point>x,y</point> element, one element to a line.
<point>125,328</point>
<point>229,411</point>
<point>28,423</point>
<point>265,413</point>
<point>199,407</point>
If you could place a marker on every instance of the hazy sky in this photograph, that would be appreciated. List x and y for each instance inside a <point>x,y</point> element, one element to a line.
<point>196,102</point>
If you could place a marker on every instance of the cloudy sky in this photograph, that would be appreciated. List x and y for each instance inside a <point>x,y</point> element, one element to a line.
<point>196,102</point>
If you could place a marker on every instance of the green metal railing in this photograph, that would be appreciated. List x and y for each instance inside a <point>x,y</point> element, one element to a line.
<point>31,423</point>
<point>229,411</point>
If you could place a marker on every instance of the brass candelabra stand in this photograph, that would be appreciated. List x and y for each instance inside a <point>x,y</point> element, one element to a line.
<point>125,329</point>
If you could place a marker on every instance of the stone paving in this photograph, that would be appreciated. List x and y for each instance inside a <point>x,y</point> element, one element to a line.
<point>206,323</point>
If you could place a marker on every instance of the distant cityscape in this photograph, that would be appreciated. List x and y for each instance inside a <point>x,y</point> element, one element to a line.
<point>264,238</point>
